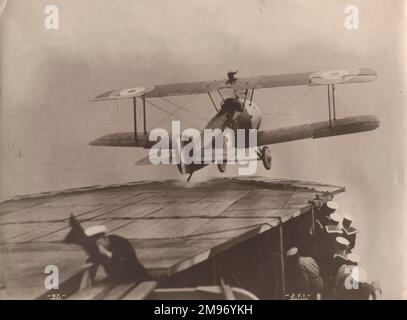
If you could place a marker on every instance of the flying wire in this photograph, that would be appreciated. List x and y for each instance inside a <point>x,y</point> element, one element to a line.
<point>185,109</point>
<point>288,105</point>
<point>170,114</point>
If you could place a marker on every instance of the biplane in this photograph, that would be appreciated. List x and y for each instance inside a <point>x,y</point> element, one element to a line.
<point>237,110</point>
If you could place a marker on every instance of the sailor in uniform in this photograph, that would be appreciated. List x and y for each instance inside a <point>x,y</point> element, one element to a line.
<point>341,249</point>
<point>325,211</point>
<point>339,258</point>
<point>116,256</point>
<point>352,260</point>
<point>327,245</point>
<point>349,232</point>
<point>303,274</point>
<point>333,228</point>
<point>352,282</point>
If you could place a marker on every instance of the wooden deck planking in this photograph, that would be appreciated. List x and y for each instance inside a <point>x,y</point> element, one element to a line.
<point>13,206</point>
<point>258,213</point>
<point>119,291</point>
<point>141,291</point>
<point>187,196</point>
<point>60,235</point>
<point>172,225</point>
<point>92,293</point>
<point>214,227</point>
<point>172,209</point>
<point>162,228</point>
<point>221,195</point>
<point>84,207</point>
<point>263,200</point>
<point>134,210</point>
<point>29,231</point>
<point>24,266</point>
<point>170,252</point>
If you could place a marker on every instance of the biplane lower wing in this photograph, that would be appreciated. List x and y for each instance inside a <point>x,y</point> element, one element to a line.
<point>298,132</point>
<point>318,130</point>
<point>123,139</point>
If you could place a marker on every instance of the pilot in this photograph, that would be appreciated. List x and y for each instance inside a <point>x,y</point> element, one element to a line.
<point>303,274</point>
<point>116,256</point>
<point>349,232</point>
<point>231,76</point>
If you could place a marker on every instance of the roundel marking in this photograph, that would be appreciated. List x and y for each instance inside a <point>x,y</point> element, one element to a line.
<point>333,76</point>
<point>128,93</point>
<point>132,92</point>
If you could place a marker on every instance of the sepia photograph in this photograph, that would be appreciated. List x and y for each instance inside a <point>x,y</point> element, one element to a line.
<point>203,150</point>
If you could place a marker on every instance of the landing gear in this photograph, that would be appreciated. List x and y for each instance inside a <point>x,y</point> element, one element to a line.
<point>222,167</point>
<point>265,156</point>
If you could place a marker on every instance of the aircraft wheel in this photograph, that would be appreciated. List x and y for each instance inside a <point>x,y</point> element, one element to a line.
<point>222,167</point>
<point>266,157</point>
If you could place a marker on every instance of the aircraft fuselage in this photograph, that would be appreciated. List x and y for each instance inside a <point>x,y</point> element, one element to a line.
<point>234,114</point>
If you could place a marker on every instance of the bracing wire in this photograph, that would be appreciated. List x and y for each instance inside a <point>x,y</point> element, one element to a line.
<point>185,109</point>
<point>170,114</point>
<point>287,104</point>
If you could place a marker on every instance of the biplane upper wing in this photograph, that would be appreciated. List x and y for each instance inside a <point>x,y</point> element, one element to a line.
<point>257,82</point>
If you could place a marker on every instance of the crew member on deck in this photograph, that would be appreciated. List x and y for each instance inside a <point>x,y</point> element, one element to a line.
<point>339,258</point>
<point>325,211</point>
<point>352,284</point>
<point>352,259</point>
<point>349,232</point>
<point>332,231</point>
<point>302,274</point>
<point>116,256</point>
<point>327,241</point>
<point>333,228</point>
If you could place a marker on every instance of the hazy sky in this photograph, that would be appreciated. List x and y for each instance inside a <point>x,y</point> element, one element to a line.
<point>47,78</point>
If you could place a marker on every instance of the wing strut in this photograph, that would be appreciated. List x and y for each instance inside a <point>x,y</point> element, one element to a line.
<point>251,97</point>
<point>221,95</point>
<point>331,88</point>
<point>245,97</point>
<point>333,101</point>
<point>144,115</point>
<point>135,118</point>
<point>213,102</point>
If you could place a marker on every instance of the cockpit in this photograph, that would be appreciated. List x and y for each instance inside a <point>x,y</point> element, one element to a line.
<point>232,104</point>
